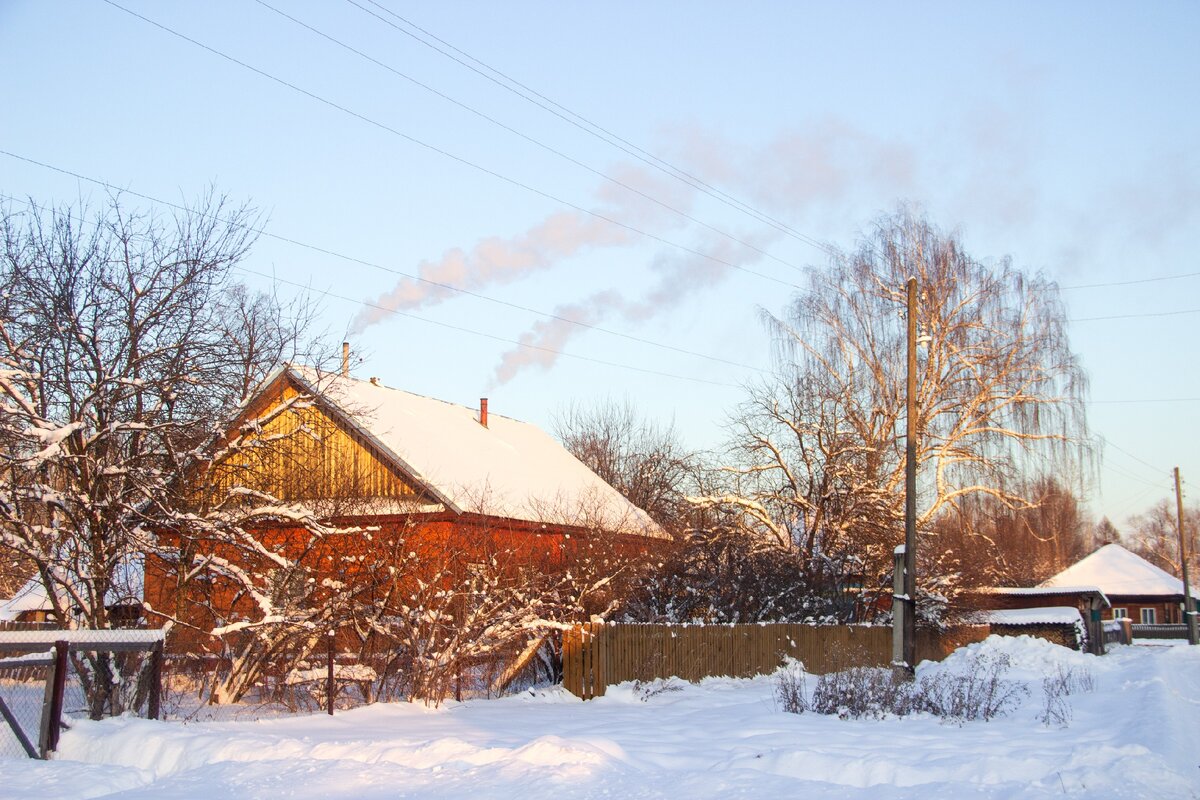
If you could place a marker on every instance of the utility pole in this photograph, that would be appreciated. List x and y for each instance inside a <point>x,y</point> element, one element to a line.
<point>1189,603</point>
<point>910,490</point>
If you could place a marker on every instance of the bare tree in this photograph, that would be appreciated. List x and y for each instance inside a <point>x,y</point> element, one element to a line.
<point>981,542</point>
<point>711,570</point>
<point>819,454</point>
<point>1155,536</point>
<point>124,346</point>
<point>1104,533</point>
<point>441,615</point>
<point>642,460</point>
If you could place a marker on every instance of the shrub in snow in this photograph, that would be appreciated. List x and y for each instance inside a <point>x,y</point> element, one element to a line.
<point>979,691</point>
<point>1057,687</point>
<point>864,692</point>
<point>790,691</point>
<point>976,690</point>
<point>648,689</point>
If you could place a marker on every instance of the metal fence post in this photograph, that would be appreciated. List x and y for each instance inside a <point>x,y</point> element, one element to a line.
<point>56,698</point>
<point>154,702</point>
<point>330,688</point>
<point>899,609</point>
<point>47,705</point>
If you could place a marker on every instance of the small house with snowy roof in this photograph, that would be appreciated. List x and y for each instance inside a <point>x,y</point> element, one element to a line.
<point>1040,611</point>
<point>1135,588</point>
<point>28,604</point>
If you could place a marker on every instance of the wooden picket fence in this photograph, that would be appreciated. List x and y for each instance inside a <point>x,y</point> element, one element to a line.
<point>597,654</point>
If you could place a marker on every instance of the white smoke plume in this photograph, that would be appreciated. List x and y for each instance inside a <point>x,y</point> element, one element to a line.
<point>677,279</point>
<point>499,260</point>
<point>541,344</point>
<point>813,178</point>
<point>495,260</point>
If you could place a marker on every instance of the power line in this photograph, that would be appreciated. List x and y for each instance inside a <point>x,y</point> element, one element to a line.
<point>486,335</point>
<point>1117,447</point>
<point>603,175</point>
<point>363,262</point>
<point>446,153</point>
<point>1139,316</point>
<point>1129,476</point>
<point>1151,400</point>
<point>1137,498</point>
<point>587,126</point>
<point>462,329</point>
<point>1130,283</point>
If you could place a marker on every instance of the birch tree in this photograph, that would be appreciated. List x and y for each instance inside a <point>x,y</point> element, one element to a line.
<point>817,454</point>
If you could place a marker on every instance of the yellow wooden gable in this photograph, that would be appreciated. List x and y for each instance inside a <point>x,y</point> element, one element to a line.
<point>297,449</point>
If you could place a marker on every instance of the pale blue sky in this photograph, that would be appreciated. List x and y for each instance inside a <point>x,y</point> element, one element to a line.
<point>1063,136</point>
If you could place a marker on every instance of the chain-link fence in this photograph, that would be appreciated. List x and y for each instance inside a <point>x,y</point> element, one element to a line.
<point>190,682</point>
<point>23,696</point>
<point>48,678</point>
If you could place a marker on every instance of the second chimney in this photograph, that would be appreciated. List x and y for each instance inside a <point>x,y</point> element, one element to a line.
<point>483,411</point>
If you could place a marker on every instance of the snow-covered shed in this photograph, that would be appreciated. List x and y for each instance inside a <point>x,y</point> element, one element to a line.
<point>30,603</point>
<point>1059,624</point>
<point>1135,588</point>
<point>1082,605</point>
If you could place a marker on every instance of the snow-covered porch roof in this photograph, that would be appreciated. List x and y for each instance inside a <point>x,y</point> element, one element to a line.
<point>1047,592</point>
<point>1042,615</point>
<point>30,597</point>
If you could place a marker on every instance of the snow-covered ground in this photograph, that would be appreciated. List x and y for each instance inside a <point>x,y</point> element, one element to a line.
<point>1136,735</point>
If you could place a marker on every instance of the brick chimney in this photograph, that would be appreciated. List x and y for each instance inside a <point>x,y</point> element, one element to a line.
<point>483,411</point>
<point>345,359</point>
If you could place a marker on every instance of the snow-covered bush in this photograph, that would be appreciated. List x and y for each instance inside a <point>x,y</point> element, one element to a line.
<point>645,690</point>
<point>864,692</point>
<point>791,692</point>
<point>976,689</point>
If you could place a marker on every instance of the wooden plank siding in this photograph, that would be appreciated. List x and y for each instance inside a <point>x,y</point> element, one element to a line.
<point>597,655</point>
<point>306,454</point>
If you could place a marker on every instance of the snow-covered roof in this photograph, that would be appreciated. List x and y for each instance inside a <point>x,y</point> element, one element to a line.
<point>1118,572</point>
<point>126,588</point>
<point>1048,615</point>
<point>30,597</point>
<point>1043,591</point>
<point>509,469</point>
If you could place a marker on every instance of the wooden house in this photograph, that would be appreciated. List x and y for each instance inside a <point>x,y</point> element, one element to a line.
<point>385,468</point>
<point>29,604</point>
<point>1135,588</point>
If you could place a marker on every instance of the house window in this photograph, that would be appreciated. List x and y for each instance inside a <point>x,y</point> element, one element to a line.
<point>1120,613</point>
<point>1148,616</point>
